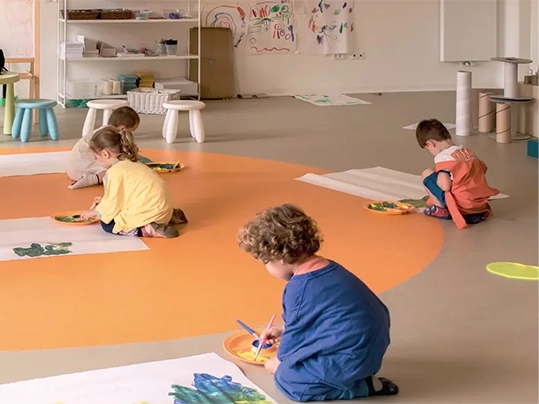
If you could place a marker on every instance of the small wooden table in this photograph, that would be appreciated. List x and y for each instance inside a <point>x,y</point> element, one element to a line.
<point>514,115</point>
<point>9,79</point>
<point>510,88</point>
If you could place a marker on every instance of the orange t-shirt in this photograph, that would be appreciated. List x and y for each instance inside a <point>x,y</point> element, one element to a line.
<point>469,192</point>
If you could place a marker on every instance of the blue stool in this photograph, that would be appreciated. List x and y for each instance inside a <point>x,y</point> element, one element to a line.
<point>22,125</point>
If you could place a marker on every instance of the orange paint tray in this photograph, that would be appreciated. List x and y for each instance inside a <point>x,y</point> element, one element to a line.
<point>68,219</point>
<point>239,345</point>
<point>390,208</point>
<point>165,167</point>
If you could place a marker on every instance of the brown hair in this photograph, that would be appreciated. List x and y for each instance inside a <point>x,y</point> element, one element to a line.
<point>281,233</point>
<point>121,142</point>
<point>431,129</point>
<point>124,116</point>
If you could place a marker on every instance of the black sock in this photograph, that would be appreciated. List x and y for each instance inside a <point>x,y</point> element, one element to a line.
<point>388,387</point>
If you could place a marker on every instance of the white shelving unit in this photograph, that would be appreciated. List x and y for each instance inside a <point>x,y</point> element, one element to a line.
<point>64,63</point>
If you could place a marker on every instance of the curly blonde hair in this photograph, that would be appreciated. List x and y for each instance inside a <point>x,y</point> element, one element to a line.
<point>120,142</point>
<point>283,232</point>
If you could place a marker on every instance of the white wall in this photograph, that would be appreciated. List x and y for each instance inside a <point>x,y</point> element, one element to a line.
<point>400,39</point>
<point>534,37</point>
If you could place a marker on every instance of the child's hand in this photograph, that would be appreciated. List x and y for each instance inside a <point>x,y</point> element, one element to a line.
<point>273,334</point>
<point>97,200</point>
<point>87,214</point>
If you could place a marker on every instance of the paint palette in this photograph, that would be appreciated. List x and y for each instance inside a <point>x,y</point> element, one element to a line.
<point>390,208</point>
<point>72,218</point>
<point>240,345</point>
<point>165,167</point>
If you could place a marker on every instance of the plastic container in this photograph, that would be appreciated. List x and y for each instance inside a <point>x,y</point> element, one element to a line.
<point>172,50</point>
<point>142,14</point>
<point>173,14</point>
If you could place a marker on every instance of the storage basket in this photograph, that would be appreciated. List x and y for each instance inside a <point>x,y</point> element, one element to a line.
<point>150,101</point>
<point>116,14</point>
<point>81,14</point>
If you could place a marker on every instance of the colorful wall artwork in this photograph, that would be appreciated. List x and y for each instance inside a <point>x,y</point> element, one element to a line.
<point>271,28</point>
<point>203,378</point>
<point>330,25</point>
<point>226,16</point>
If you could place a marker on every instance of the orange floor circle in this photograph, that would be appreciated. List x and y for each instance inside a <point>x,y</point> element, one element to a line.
<point>199,283</point>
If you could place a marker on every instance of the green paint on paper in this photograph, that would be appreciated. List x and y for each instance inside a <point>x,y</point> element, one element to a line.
<point>275,9</point>
<point>37,250</point>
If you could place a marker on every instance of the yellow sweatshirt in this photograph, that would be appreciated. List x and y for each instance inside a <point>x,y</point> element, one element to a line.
<point>134,196</point>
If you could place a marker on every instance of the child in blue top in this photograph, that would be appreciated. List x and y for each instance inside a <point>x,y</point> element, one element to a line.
<point>336,330</point>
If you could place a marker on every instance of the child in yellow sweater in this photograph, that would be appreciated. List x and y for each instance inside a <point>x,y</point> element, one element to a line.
<point>136,201</point>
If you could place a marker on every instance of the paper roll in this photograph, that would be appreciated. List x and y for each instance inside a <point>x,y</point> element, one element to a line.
<point>503,123</point>
<point>510,88</point>
<point>464,104</point>
<point>487,114</point>
<point>116,87</point>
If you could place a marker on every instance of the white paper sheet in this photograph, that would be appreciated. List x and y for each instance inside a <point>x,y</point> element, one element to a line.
<point>376,183</point>
<point>146,383</point>
<point>271,28</point>
<point>321,100</point>
<point>449,126</point>
<point>32,163</point>
<point>328,28</point>
<point>91,239</point>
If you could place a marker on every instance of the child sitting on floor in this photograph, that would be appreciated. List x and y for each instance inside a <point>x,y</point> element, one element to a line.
<point>336,330</point>
<point>82,166</point>
<point>136,201</point>
<point>457,186</point>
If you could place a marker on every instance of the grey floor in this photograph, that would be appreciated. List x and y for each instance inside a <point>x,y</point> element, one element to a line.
<point>460,334</point>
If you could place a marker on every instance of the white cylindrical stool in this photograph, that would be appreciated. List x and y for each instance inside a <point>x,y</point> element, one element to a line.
<point>511,74</point>
<point>196,126</point>
<point>107,106</point>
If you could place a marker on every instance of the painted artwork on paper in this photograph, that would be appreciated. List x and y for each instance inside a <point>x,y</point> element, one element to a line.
<point>209,389</point>
<point>232,17</point>
<point>37,250</point>
<point>330,27</point>
<point>17,27</point>
<point>271,28</point>
<point>203,379</point>
<point>323,100</point>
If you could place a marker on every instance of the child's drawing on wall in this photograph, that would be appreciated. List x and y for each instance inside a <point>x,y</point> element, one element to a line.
<point>19,15</point>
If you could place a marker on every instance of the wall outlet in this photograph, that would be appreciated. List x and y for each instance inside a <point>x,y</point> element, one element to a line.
<point>338,56</point>
<point>358,56</point>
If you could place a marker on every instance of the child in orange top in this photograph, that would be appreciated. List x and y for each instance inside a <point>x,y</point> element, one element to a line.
<point>457,186</point>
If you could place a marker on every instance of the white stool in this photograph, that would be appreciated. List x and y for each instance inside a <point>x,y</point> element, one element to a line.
<point>107,106</point>
<point>170,128</point>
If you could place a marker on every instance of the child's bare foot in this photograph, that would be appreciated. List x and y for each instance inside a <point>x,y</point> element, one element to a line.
<point>178,217</point>
<point>380,386</point>
<point>87,180</point>
<point>159,230</point>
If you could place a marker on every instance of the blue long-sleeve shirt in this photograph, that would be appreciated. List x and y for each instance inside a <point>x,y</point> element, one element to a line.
<point>336,334</point>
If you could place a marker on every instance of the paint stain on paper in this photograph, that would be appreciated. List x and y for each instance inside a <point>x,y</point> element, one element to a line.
<point>209,389</point>
<point>37,250</point>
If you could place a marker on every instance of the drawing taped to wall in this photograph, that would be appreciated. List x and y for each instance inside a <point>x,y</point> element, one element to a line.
<point>330,27</point>
<point>177,381</point>
<point>226,16</point>
<point>271,28</point>
<point>17,27</point>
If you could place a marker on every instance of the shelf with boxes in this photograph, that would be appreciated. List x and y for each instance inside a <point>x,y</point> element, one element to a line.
<point>94,37</point>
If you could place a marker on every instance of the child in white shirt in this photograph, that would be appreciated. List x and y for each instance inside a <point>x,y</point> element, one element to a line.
<point>82,166</point>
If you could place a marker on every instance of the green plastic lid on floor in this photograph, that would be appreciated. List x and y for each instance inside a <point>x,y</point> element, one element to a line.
<point>514,270</point>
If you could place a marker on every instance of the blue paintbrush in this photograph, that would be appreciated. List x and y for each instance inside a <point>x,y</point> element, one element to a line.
<point>248,329</point>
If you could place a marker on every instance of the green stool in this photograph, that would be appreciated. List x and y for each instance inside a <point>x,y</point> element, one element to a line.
<point>22,126</point>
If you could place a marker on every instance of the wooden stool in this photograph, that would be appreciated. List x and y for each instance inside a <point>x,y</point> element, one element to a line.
<point>512,103</point>
<point>196,126</point>
<point>9,79</point>
<point>107,106</point>
<point>22,126</point>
